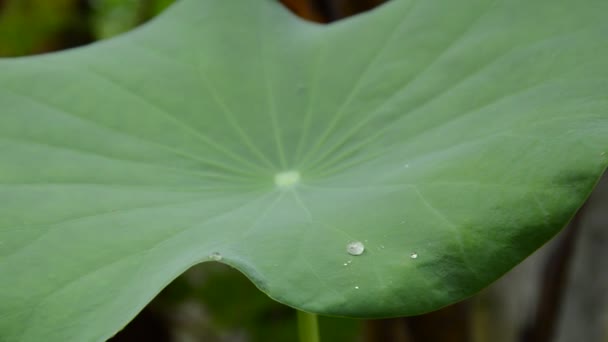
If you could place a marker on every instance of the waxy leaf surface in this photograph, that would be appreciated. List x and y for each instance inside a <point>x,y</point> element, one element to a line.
<point>389,164</point>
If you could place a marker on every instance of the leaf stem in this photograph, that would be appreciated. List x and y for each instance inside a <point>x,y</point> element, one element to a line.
<point>308,327</point>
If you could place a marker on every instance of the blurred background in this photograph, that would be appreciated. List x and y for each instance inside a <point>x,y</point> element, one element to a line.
<point>558,294</point>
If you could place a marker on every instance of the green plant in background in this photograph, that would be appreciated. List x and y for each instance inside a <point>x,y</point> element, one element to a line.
<point>385,165</point>
<point>25,26</point>
<point>117,16</point>
<point>37,26</point>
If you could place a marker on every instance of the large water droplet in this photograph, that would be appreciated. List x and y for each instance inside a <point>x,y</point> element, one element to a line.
<point>355,248</point>
<point>414,255</point>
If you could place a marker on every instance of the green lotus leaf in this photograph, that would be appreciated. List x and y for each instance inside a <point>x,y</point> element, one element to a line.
<point>385,165</point>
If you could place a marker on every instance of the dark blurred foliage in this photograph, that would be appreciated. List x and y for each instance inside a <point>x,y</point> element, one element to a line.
<point>325,11</point>
<point>28,27</point>
<point>36,26</point>
<point>213,302</point>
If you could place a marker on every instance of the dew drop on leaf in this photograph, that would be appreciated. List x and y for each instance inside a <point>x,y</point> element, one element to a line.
<point>215,256</point>
<point>355,248</point>
<point>414,255</point>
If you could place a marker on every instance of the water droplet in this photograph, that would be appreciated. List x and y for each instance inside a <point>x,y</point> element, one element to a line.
<point>381,246</point>
<point>345,264</point>
<point>215,256</point>
<point>287,179</point>
<point>407,166</point>
<point>355,248</point>
<point>414,255</point>
<point>356,287</point>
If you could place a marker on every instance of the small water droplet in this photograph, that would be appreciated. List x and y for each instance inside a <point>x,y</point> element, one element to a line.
<point>407,166</point>
<point>215,256</point>
<point>345,264</point>
<point>355,248</point>
<point>356,287</point>
<point>414,255</point>
<point>381,246</point>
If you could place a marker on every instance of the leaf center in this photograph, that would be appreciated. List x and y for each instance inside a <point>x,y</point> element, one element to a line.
<point>287,179</point>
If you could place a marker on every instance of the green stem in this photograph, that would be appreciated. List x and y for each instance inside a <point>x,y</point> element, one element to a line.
<point>308,326</point>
